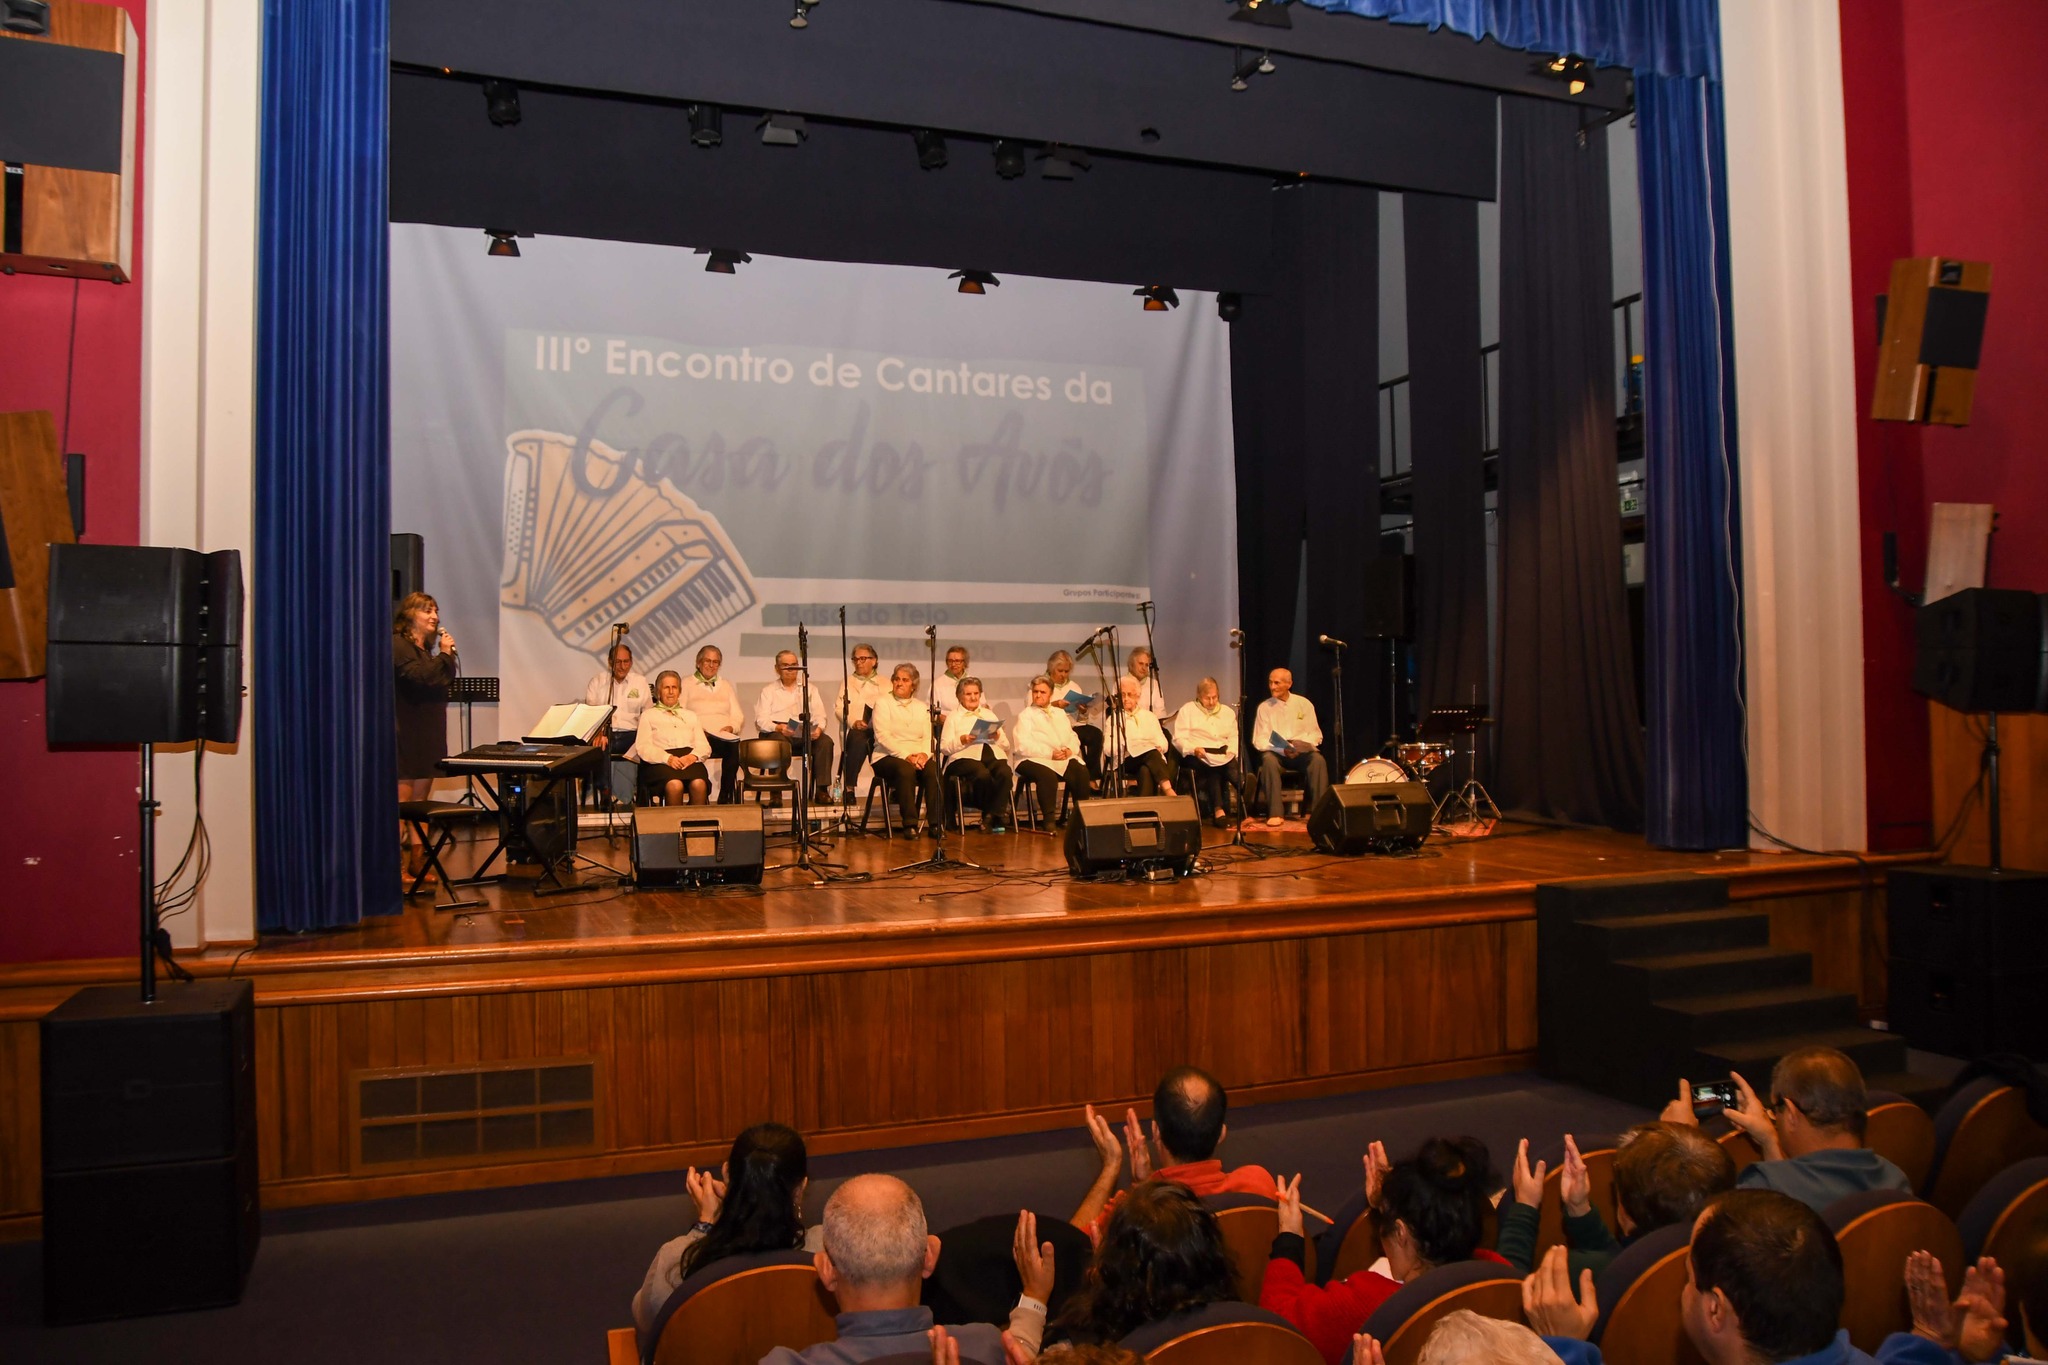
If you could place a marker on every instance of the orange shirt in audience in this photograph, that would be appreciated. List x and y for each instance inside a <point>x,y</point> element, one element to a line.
<point>1204,1178</point>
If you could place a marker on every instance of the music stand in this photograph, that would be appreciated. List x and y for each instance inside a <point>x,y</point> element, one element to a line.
<point>1468,811</point>
<point>466,693</point>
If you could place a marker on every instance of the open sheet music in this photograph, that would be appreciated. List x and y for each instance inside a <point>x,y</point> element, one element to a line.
<point>569,722</point>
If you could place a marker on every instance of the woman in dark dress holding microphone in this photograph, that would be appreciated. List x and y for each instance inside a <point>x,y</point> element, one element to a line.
<point>421,676</point>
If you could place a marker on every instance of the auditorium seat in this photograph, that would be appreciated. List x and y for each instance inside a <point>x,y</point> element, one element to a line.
<point>1978,1132</point>
<point>1901,1132</point>
<point>1403,1323</point>
<point>1997,1221</point>
<point>1741,1148</point>
<point>1249,1223</point>
<point>1639,1294</point>
<point>1877,1230</point>
<point>736,1310</point>
<point>1598,1153</point>
<point>1222,1334</point>
<point>1351,1244</point>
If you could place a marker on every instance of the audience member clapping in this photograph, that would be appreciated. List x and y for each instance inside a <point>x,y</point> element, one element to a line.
<point>1428,1211</point>
<point>1161,1253</point>
<point>754,1204</point>
<point>1810,1133</point>
<point>1664,1173</point>
<point>1188,1110</point>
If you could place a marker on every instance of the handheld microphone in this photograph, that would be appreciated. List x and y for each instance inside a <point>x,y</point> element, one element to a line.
<point>1330,642</point>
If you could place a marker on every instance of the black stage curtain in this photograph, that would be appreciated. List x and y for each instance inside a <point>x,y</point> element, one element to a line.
<point>1570,745</point>
<point>1445,436</point>
<point>1305,399</point>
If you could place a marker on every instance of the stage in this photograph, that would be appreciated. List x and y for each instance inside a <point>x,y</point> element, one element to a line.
<point>615,1030</point>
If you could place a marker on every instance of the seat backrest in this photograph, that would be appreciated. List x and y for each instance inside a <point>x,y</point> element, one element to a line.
<point>737,1310</point>
<point>1639,1302</point>
<point>1902,1133</point>
<point>1997,1221</point>
<point>1249,1224</point>
<point>1741,1148</point>
<point>1599,1157</point>
<point>1981,1130</point>
<point>1152,1336</point>
<point>1350,1244</point>
<point>1244,1339</point>
<point>1877,1230</point>
<point>1403,1323</point>
<point>767,756</point>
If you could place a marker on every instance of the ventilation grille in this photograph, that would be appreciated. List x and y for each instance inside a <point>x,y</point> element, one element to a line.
<point>420,1118</point>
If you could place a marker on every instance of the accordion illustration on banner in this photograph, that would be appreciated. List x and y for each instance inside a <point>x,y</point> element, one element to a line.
<point>585,551</point>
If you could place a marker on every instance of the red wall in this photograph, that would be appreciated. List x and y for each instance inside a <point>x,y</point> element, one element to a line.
<point>1947,121</point>
<point>68,819</point>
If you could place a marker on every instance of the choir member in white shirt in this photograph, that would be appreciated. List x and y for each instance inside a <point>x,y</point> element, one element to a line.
<point>717,708</point>
<point>1149,695</point>
<point>627,693</point>
<point>1048,751</point>
<point>1293,720</point>
<point>779,715</point>
<point>1205,732</point>
<point>857,698</point>
<point>949,684</point>
<point>903,745</point>
<point>1059,674</point>
<point>1144,744</point>
<point>668,725</point>
<point>985,765</point>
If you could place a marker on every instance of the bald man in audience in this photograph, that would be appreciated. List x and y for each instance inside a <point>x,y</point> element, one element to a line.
<point>1188,1109</point>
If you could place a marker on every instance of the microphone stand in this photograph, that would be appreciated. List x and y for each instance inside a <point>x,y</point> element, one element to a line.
<point>1146,611</point>
<point>1244,765</point>
<point>800,807</point>
<point>938,862</point>
<point>845,701</point>
<point>1337,685</point>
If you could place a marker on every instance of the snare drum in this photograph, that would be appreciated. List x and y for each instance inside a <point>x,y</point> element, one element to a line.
<point>1374,770</point>
<point>1424,758</point>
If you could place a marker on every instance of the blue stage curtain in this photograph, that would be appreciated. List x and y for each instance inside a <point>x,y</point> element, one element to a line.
<point>1668,37</point>
<point>1697,792</point>
<point>326,767</point>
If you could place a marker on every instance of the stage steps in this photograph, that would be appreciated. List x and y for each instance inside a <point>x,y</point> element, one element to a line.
<point>1641,980</point>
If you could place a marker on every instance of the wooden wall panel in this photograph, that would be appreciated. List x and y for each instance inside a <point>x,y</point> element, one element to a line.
<point>1844,931</point>
<point>1957,742</point>
<point>21,1134</point>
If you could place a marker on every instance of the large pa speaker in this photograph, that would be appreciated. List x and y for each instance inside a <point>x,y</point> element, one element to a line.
<point>1376,817</point>
<point>149,1150</point>
<point>1968,959</point>
<point>1147,833</point>
<point>1930,337</point>
<point>698,845</point>
<point>408,565</point>
<point>145,645</point>
<point>1983,649</point>
<point>1390,597</point>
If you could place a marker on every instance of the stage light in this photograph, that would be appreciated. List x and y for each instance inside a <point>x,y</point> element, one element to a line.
<point>723,262</point>
<point>974,281</point>
<point>1060,163</point>
<point>1158,298</point>
<point>1009,158</point>
<point>501,103</point>
<point>1265,13</point>
<point>1575,72</point>
<point>802,17</point>
<point>707,124</point>
<point>783,130</point>
<point>931,149</point>
<point>503,242</point>
<point>1228,305</point>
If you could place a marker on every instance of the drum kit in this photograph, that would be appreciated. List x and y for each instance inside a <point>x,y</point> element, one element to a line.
<point>1465,811</point>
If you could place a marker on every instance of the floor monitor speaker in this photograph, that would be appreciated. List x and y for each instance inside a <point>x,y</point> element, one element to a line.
<point>1149,834</point>
<point>698,845</point>
<point>1379,817</point>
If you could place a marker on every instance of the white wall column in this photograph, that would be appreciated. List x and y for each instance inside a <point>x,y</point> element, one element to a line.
<point>1788,208</point>
<point>201,135</point>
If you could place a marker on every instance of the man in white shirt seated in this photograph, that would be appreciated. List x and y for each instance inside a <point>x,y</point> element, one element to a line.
<point>1144,743</point>
<point>779,714</point>
<point>857,697</point>
<point>982,764</point>
<point>1205,732</point>
<point>1285,734</point>
<point>717,708</point>
<point>903,749</point>
<point>627,693</point>
<point>949,685</point>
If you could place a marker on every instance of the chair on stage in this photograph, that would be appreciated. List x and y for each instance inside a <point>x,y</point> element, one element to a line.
<point>1902,1133</point>
<point>880,792</point>
<point>433,824</point>
<point>765,765</point>
<point>1024,802</point>
<point>1639,1296</point>
<point>1222,1334</point>
<point>1876,1231</point>
<point>1403,1323</point>
<point>735,1311</point>
<point>1978,1132</point>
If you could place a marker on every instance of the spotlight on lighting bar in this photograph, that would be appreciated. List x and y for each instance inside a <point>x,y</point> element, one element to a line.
<point>504,242</point>
<point>723,262</point>
<point>501,103</point>
<point>783,130</point>
<point>707,125</point>
<point>1575,72</point>
<point>1009,158</point>
<point>1158,298</point>
<point>802,17</point>
<point>1265,13</point>
<point>974,281</point>
<point>1228,305</point>
<point>931,149</point>
<point>1060,163</point>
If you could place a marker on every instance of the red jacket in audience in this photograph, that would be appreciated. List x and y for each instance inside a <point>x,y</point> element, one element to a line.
<point>1329,1314</point>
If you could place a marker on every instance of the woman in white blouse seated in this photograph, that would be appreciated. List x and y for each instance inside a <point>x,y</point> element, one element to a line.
<point>1144,743</point>
<point>1048,752</point>
<point>903,750</point>
<point>1205,732</point>
<point>670,747</point>
<point>1083,718</point>
<point>984,763</point>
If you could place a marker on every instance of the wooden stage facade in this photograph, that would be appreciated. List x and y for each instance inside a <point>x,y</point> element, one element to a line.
<point>619,1030</point>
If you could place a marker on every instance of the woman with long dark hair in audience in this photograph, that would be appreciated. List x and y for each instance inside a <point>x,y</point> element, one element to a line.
<point>1161,1254</point>
<point>1428,1211</point>
<point>754,1204</point>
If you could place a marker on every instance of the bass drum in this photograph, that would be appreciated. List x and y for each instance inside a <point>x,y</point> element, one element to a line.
<point>1376,769</point>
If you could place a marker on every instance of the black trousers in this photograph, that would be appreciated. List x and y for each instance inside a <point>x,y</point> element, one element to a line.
<point>1150,769</point>
<point>618,746</point>
<point>988,780</point>
<point>727,752</point>
<point>859,744</point>
<point>905,780</point>
<point>1090,738</point>
<point>1210,786</point>
<point>1047,780</point>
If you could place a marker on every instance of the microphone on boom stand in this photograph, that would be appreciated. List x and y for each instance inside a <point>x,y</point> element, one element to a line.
<point>1331,642</point>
